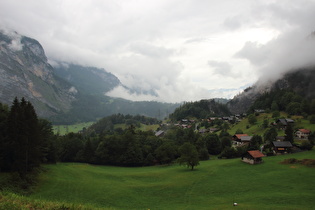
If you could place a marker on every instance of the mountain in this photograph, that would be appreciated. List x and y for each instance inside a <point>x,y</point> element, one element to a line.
<point>88,80</point>
<point>65,93</point>
<point>25,72</point>
<point>300,82</point>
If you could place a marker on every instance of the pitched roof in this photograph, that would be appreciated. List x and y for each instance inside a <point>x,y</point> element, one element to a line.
<point>246,138</point>
<point>304,130</point>
<point>256,153</point>
<point>159,133</point>
<point>240,135</point>
<point>282,121</point>
<point>282,144</point>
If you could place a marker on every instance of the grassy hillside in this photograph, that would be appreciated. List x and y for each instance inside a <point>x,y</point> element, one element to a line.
<point>215,184</point>
<point>258,129</point>
<point>75,128</point>
<point>64,129</point>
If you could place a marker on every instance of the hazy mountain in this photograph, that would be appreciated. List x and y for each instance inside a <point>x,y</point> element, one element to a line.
<point>25,72</point>
<point>65,93</point>
<point>300,81</point>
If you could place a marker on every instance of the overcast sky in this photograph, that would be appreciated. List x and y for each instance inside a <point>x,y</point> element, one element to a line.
<point>182,50</point>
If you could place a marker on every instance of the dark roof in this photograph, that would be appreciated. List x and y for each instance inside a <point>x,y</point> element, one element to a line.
<point>282,144</point>
<point>256,153</point>
<point>246,138</point>
<point>159,133</point>
<point>282,121</point>
<point>289,120</point>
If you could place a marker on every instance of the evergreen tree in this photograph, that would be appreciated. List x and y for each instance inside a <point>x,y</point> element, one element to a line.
<point>23,137</point>
<point>270,135</point>
<point>289,134</point>
<point>4,112</point>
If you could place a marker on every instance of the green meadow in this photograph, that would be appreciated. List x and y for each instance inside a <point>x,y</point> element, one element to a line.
<point>75,128</point>
<point>214,184</point>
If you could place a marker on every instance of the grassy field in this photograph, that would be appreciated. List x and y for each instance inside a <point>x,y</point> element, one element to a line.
<point>215,184</point>
<point>64,129</point>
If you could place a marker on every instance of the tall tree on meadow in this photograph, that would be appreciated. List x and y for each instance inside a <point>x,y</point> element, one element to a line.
<point>188,155</point>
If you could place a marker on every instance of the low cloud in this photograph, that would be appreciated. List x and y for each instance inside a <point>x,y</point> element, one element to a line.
<point>287,52</point>
<point>180,51</point>
<point>15,44</point>
<point>221,68</point>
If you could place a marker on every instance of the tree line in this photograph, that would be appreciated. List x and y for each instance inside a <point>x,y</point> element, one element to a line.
<point>200,110</point>
<point>25,140</point>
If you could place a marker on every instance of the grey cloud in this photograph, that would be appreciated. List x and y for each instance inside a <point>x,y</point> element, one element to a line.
<point>150,50</point>
<point>221,68</point>
<point>232,23</point>
<point>288,52</point>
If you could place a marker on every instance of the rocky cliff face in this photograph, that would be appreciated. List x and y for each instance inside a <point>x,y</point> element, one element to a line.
<point>25,72</point>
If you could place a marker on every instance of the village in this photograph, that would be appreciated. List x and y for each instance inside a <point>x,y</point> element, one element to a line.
<point>279,143</point>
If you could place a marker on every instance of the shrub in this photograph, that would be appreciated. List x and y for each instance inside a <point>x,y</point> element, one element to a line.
<point>290,161</point>
<point>308,162</point>
<point>306,145</point>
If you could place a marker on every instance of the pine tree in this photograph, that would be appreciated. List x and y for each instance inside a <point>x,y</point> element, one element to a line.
<point>23,137</point>
<point>289,134</point>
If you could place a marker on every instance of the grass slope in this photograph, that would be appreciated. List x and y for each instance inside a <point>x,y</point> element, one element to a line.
<point>258,129</point>
<point>75,128</point>
<point>215,184</point>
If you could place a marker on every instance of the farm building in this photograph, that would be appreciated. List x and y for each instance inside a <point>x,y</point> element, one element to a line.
<point>282,146</point>
<point>241,139</point>
<point>303,133</point>
<point>253,157</point>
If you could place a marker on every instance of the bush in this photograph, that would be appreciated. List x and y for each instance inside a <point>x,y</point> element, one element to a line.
<point>306,145</point>
<point>228,152</point>
<point>312,119</point>
<point>308,162</point>
<point>290,161</point>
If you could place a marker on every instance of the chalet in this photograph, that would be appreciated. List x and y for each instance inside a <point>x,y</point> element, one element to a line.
<point>159,133</point>
<point>203,130</point>
<point>246,139</point>
<point>302,133</point>
<point>240,139</point>
<point>253,157</point>
<point>282,146</point>
<point>283,123</point>
<point>237,137</point>
<point>212,130</point>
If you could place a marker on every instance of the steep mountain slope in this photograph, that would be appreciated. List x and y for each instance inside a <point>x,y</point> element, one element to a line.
<point>25,72</point>
<point>67,93</point>
<point>301,82</point>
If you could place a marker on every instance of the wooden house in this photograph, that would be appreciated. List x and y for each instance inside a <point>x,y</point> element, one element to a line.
<point>283,123</point>
<point>253,157</point>
<point>241,139</point>
<point>282,146</point>
<point>302,133</point>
